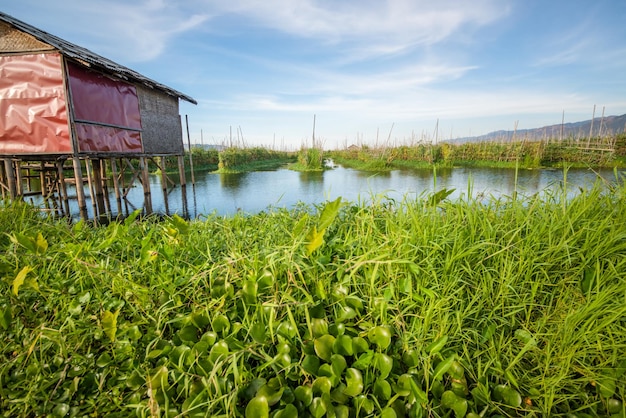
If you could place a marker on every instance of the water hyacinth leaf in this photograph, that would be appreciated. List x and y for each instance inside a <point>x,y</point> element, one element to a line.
<point>317,408</point>
<point>383,363</point>
<point>319,327</point>
<point>342,411</point>
<point>343,345</point>
<point>354,382</point>
<point>338,364</point>
<point>257,331</point>
<point>158,379</point>
<point>108,320</point>
<point>382,389</point>
<point>258,407</point>
<point>388,412</point>
<point>324,346</point>
<point>322,385</point>
<point>451,401</point>
<point>288,411</point>
<point>271,393</point>
<point>310,364</point>
<point>507,395</point>
<point>363,405</point>
<point>380,335</point>
<point>220,324</point>
<point>304,394</point>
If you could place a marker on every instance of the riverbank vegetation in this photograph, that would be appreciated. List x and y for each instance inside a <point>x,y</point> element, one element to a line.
<point>428,307</point>
<point>227,160</point>
<point>596,152</point>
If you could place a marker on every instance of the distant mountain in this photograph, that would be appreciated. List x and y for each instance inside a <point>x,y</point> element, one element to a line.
<point>609,125</point>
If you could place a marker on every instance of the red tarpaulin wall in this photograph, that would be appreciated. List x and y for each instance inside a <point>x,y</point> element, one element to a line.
<point>33,110</point>
<point>106,112</point>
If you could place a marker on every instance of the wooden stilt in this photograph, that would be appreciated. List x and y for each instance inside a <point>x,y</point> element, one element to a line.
<point>181,170</point>
<point>3,182</point>
<point>92,191</point>
<point>63,188</point>
<point>80,191</point>
<point>10,175</point>
<point>105,186</point>
<point>19,188</point>
<point>145,180</point>
<point>97,188</point>
<point>116,186</point>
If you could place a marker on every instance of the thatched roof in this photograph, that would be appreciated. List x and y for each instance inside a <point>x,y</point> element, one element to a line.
<point>91,59</point>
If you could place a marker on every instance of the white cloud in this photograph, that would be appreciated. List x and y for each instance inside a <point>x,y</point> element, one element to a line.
<point>373,27</point>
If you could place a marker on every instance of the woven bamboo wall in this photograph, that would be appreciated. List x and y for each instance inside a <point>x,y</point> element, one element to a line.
<point>160,122</point>
<point>13,40</point>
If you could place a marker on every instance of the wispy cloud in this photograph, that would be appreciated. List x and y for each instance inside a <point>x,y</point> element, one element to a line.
<point>376,27</point>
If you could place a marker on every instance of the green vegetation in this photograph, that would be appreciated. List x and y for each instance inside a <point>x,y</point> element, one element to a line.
<point>309,159</point>
<point>427,307</point>
<point>597,152</point>
<point>234,159</point>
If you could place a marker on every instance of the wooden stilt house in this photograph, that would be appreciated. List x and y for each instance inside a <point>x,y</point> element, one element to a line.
<point>70,116</point>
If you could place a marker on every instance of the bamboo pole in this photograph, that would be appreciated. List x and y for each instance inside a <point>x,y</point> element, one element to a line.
<point>193,177</point>
<point>80,191</point>
<point>116,185</point>
<point>10,174</point>
<point>145,180</point>
<point>92,191</point>
<point>63,188</point>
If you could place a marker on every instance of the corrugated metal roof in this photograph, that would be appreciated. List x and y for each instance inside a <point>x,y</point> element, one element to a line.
<point>85,56</point>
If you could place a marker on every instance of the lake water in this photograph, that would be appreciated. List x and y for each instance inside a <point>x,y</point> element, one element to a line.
<point>226,194</point>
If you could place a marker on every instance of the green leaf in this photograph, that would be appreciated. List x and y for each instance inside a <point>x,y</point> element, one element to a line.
<point>437,345</point>
<point>41,244</point>
<point>439,196</point>
<point>329,213</point>
<point>314,240</point>
<point>6,317</point>
<point>443,367</point>
<point>450,400</point>
<point>19,279</point>
<point>109,324</point>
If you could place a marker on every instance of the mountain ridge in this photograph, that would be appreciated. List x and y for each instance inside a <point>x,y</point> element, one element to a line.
<point>605,126</point>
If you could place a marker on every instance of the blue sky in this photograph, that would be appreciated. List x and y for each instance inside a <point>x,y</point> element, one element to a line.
<point>371,71</point>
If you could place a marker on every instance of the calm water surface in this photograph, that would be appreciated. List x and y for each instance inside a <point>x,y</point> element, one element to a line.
<point>226,194</point>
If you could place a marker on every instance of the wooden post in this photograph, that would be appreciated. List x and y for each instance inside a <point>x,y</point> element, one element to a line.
<point>116,186</point>
<point>105,186</point>
<point>97,187</point>
<point>145,180</point>
<point>193,178</point>
<point>181,170</point>
<point>80,191</point>
<point>10,174</point>
<point>92,191</point>
<point>164,184</point>
<point>19,188</point>
<point>63,188</point>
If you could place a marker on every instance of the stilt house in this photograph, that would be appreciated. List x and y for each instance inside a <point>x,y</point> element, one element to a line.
<point>65,109</point>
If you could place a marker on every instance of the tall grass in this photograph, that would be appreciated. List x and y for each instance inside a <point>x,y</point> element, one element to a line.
<point>511,307</point>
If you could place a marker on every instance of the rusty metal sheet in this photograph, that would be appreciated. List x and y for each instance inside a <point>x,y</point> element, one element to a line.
<point>97,138</point>
<point>99,98</point>
<point>33,109</point>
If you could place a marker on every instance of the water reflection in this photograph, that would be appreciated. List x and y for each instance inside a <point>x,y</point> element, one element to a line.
<point>225,194</point>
